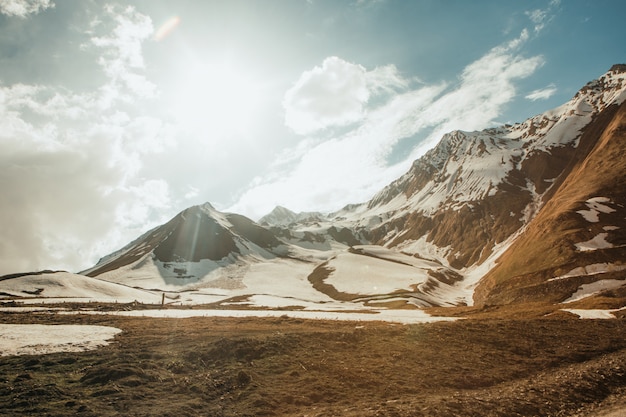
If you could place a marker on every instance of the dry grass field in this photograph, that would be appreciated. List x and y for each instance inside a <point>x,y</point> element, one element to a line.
<point>489,364</point>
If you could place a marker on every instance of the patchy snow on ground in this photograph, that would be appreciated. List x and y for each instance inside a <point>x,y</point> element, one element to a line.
<point>37,339</point>
<point>391,316</point>
<point>475,273</point>
<point>22,309</point>
<point>595,208</point>
<point>593,269</point>
<point>65,285</point>
<point>293,303</point>
<point>282,278</point>
<point>592,314</point>
<point>421,247</point>
<point>395,256</point>
<point>587,290</point>
<point>598,242</point>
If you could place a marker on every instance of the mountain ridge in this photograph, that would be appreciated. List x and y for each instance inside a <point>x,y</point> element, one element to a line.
<point>447,232</point>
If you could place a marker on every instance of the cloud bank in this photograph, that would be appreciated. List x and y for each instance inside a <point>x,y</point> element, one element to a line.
<point>23,8</point>
<point>335,94</point>
<point>70,161</point>
<point>326,174</point>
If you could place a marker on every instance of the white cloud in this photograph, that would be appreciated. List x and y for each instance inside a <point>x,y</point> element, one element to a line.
<point>386,80</point>
<point>336,94</point>
<point>23,8</point>
<point>538,17</point>
<point>541,17</point>
<point>326,175</point>
<point>121,53</point>
<point>487,84</point>
<point>331,95</point>
<point>542,93</point>
<point>72,181</point>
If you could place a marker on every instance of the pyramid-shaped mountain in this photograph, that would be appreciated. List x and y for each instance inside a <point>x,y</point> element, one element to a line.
<point>197,234</point>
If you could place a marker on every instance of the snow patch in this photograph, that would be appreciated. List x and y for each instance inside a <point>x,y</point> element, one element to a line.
<point>593,269</point>
<point>598,242</point>
<point>587,290</point>
<point>595,208</point>
<point>592,314</point>
<point>391,316</point>
<point>37,339</point>
<point>73,286</point>
<point>367,275</point>
<point>475,273</point>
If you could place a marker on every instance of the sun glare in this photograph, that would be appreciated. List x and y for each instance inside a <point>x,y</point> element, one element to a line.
<point>166,28</point>
<point>215,98</point>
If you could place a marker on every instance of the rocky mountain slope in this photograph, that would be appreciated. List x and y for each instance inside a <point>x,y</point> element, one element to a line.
<point>476,193</point>
<point>578,239</point>
<point>526,212</point>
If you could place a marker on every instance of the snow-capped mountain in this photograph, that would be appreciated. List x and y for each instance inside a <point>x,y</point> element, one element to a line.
<point>195,242</point>
<point>534,211</point>
<point>475,193</point>
<point>282,216</point>
<point>576,244</point>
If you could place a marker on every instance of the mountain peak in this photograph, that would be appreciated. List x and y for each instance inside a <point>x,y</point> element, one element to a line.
<point>207,208</point>
<point>281,210</point>
<point>618,68</point>
<point>281,216</point>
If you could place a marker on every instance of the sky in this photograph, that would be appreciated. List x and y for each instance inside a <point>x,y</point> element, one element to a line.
<point>116,116</point>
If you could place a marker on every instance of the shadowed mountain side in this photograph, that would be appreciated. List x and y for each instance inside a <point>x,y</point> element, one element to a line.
<point>552,244</point>
<point>196,234</point>
<point>195,237</point>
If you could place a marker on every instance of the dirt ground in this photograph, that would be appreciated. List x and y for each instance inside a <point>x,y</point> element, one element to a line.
<point>552,366</point>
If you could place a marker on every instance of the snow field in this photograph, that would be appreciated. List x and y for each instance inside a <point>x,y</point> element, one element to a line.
<point>359,274</point>
<point>36,339</point>
<point>391,316</point>
<point>598,242</point>
<point>65,285</point>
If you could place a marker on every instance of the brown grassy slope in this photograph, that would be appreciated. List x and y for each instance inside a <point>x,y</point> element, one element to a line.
<point>286,367</point>
<point>547,248</point>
